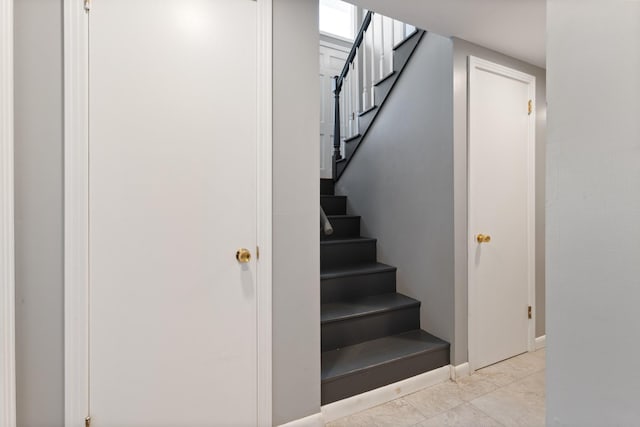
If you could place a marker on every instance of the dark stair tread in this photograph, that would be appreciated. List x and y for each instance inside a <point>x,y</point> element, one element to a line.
<point>388,76</point>
<point>406,39</point>
<point>347,240</point>
<point>368,110</point>
<point>327,187</point>
<point>351,138</point>
<point>365,306</point>
<point>348,360</point>
<point>355,270</point>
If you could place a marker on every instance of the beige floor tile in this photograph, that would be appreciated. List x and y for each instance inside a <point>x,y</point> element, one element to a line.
<point>518,404</point>
<point>510,370</point>
<point>540,353</point>
<point>474,386</point>
<point>509,393</point>
<point>437,399</point>
<point>397,413</point>
<point>465,415</point>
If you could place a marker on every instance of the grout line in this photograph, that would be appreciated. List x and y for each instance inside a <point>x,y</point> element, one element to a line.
<point>490,417</point>
<point>439,413</point>
<point>464,401</point>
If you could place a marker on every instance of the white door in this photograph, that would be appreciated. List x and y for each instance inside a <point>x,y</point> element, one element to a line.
<point>172,174</point>
<point>332,59</point>
<point>501,206</point>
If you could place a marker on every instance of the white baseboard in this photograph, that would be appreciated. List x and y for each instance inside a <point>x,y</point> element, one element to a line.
<point>314,420</point>
<point>541,342</point>
<point>460,371</point>
<point>369,399</point>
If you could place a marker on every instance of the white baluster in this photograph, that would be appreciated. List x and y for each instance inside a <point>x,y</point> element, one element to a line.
<point>382,48</point>
<point>353,97</point>
<point>365,70</point>
<point>410,29</point>
<point>344,112</point>
<point>372,65</point>
<point>398,32</point>
<point>388,46</point>
<point>347,95</point>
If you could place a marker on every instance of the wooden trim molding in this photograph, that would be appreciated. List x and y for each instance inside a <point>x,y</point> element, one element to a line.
<point>76,217</point>
<point>265,211</point>
<point>384,394</point>
<point>315,420</point>
<point>7,242</point>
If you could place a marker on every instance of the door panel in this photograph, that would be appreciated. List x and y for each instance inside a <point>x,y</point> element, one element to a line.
<point>500,186</point>
<point>172,196</point>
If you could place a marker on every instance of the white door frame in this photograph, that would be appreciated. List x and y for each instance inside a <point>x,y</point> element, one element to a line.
<point>76,218</point>
<point>476,64</point>
<point>7,240</point>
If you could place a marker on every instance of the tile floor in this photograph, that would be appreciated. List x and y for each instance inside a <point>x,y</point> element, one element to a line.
<point>509,393</point>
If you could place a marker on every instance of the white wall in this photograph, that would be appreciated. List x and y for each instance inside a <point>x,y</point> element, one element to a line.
<point>39,212</point>
<point>461,51</point>
<point>296,240</point>
<point>401,181</point>
<point>593,212</point>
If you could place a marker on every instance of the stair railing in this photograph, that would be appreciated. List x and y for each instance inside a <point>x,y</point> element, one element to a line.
<point>370,60</point>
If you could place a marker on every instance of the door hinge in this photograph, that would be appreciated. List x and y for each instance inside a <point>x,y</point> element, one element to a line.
<point>530,107</point>
<point>87,422</point>
<point>529,312</point>
<point>87,5</point>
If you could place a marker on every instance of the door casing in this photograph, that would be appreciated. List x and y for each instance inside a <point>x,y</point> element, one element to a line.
<point>475,64</point>
<point>76,217</point>
<point>7,255</point>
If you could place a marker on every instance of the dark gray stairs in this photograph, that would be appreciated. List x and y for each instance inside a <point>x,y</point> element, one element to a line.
<point>371,334</point>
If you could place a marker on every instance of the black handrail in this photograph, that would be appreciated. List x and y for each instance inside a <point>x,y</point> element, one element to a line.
<point>337,88</point>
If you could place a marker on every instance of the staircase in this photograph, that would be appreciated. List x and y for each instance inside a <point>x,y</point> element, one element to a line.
<point>381,89</point>
<point>371,334</point>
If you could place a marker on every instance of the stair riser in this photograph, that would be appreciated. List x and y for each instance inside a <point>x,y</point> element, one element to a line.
<point>344,288</point>
<point>350,147</point>
<point>402,54</point>
<point>381,375</point>
<point>381,90</point>
<point>334,205</point>
<point>327,187</point>
<point>353,331</point>
<point>365,120</point>
<point>343,228</point>
<point>345,254</point>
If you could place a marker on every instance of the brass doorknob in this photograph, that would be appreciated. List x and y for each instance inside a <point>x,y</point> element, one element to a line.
<point>243,255</point>
<point>483,238</point>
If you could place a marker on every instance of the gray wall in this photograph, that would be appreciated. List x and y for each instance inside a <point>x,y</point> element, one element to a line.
<point>421,227</point>
<point>461,51</point>
<point>39,212</point>
<point>401,182</point>
<point>296,180</point>
<point>593,212</point>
